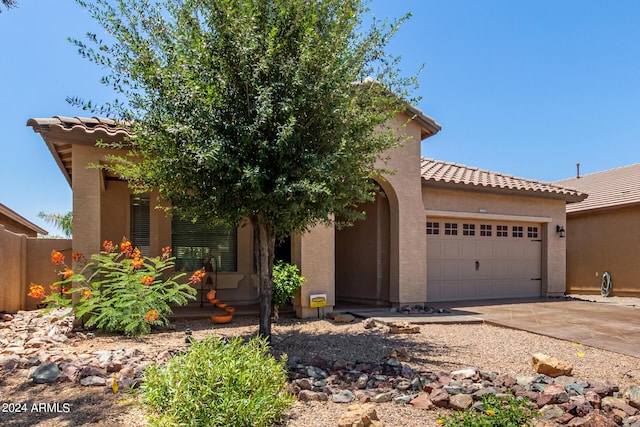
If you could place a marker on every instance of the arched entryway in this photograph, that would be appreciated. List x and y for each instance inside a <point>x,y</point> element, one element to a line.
<point>362,254</point>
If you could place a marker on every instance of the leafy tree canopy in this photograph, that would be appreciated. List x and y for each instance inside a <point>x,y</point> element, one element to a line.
<point>269,110</point>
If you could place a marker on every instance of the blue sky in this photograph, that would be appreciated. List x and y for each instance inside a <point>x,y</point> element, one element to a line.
<point>526,87</point>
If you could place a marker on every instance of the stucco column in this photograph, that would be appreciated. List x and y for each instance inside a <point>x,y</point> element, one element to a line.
<point>86,184</point>
<point>408,273</point>
<point>556,258</point>
<point>313,253</point>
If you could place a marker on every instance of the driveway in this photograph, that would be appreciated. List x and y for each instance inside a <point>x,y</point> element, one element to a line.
<point>608,326</point>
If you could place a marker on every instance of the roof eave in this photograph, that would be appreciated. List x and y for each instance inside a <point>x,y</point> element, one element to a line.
<point>461,186</point>
<point>21,220</point>
<point>603,209</point>
<point>428,126</point>
<point>56,135</point>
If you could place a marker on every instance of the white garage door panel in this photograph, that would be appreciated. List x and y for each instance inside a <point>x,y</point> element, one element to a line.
<point>461,267</point>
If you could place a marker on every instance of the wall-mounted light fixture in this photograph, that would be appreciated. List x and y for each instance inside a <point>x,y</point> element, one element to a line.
<point>560,230</point>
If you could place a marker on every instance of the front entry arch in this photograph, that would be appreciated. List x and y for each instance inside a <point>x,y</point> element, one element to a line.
<point>362,256</point>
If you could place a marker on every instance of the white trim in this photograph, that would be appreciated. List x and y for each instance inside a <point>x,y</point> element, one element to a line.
<point>477,215</point>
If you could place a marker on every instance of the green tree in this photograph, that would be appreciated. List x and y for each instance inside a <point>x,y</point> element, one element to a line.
<point>271,111</point>
<point>62,221</point>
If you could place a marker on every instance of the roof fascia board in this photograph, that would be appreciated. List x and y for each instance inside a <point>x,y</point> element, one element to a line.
<point>602,209</point>
<point>486,216</point>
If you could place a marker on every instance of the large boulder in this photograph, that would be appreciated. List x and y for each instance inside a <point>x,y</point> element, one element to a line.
<point>360,416</point>
<point>544,364</point>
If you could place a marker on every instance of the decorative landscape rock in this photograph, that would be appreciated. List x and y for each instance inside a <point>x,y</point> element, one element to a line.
<point>369,323</point>
<point>28,347</point>
<point>403,328</point>
<point>544,364</point>
<point>401,354</point>
<point>343,318</point>
<point>46,374</point>
<point>360,416</point>
<point>343,396</point>
<point>93,380</point>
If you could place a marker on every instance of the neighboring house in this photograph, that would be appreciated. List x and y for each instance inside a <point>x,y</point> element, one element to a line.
<point>603,232</point>
<point>18,224</point>
<point>487,235</point>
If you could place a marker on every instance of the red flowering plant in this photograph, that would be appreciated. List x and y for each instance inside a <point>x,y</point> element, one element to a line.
<point>117,290</point>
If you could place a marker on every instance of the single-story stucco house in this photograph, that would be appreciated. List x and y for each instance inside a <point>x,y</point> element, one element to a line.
<point>438,232</point>
<point>603,233</point>
<point>16,223</point>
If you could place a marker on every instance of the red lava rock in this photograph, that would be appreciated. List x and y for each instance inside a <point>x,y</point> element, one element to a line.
<point>312,396</point>
<point>439,397</point>
<point>422,402</point>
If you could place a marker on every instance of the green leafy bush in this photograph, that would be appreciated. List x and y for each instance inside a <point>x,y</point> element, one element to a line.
<point>218,384</point>
<point>286,281</point>
<point>119,289</point>
<point>496,412</point>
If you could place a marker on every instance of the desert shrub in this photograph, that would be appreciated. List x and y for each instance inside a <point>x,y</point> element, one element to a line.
<point>508,411</point>
<point>286,281</point>
<point>233,384</point>
<point>118,290</point>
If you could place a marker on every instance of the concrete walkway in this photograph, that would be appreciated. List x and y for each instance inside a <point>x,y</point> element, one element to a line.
<point>607,326</point>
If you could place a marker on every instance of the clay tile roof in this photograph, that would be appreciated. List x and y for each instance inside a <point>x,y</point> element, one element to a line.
<point>60,133</point>
<point>85,124</point>
<point>437,173</point>
<point>608,189</point>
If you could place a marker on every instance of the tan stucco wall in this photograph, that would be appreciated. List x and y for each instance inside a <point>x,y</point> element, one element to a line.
<point>40,269</point>
<point>13,254</point>
<point>547,212</point>
<point>607,241</point>
<point>313,253</point>
<point>25,260</point>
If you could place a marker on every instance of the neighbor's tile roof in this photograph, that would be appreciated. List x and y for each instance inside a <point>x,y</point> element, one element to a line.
<point>607,189</point>
<point>444,174</point>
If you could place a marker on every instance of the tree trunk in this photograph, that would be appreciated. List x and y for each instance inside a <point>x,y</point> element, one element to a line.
<point>265,241</point>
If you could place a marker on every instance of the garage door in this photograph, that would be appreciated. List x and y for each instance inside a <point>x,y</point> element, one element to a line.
<point>482,259</point>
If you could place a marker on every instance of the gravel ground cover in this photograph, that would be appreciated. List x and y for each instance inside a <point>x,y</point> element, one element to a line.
<point>436,348</point>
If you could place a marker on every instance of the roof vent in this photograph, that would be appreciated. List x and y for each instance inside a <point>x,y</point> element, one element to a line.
<point>577,170</point>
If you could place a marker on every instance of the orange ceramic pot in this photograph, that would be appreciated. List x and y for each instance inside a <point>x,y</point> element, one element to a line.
<point>211,294</point>
<point>221,304</point>
<point>229,309</point>
<point>214,301</point>
<point>222,318</point>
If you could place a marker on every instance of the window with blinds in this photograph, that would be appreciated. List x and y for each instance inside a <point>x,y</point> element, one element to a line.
<point>139,233</point>
<point>195,245</point>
